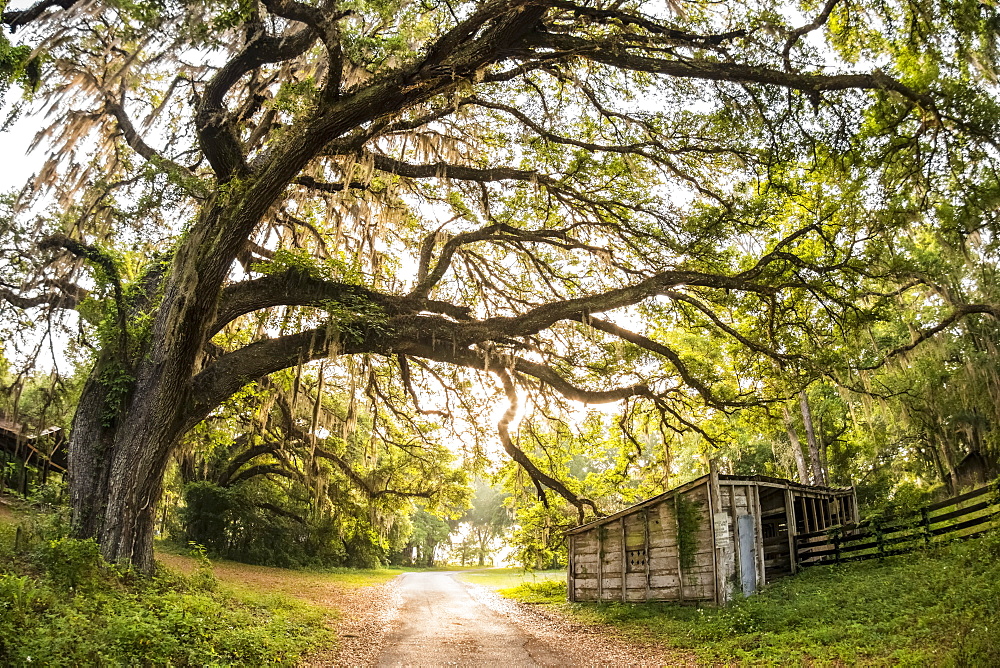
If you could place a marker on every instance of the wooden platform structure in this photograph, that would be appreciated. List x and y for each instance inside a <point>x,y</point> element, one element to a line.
<point>34,455</point>
<point>704,541</point>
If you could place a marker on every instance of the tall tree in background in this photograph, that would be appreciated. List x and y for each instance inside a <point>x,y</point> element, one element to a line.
<point>578,201</point>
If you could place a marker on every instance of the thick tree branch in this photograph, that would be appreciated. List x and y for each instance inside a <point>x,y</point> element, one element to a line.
<point>610,53</point>
<point>217,137</point>
<point>262,469</point>
<point>244,457</point>
<point>281,512</point>
<point>296,288</point>
<point>537,475</point>
<point>18,19</point>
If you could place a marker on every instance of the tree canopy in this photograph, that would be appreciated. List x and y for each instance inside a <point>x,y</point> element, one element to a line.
<point>687,208</point>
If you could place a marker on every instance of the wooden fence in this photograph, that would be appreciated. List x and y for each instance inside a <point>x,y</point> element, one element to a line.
<point>962,516</point>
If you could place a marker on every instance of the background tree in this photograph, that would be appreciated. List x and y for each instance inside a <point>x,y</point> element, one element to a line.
<point>488,519</point>
<point>284,477</point>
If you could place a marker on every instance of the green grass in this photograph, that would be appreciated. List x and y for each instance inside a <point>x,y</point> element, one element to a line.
<point>938,608</point>
<point>503,578</point>
<point>61,605</point>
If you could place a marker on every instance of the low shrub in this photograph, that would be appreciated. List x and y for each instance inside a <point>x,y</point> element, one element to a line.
<point>62,605</point>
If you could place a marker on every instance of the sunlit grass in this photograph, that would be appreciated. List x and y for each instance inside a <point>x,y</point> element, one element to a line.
<point>503,578</point>
<point>935,608</point>
<point>319,587</point>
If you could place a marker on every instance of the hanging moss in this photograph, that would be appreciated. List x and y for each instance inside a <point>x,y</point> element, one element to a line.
<point>689,520</point>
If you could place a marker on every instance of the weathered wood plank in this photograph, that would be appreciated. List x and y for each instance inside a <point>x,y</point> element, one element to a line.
<point>663,582</point>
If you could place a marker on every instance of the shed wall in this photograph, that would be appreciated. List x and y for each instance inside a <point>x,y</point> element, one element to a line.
<point>648,558</point>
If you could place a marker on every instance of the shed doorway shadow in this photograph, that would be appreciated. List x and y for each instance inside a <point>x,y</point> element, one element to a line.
<point>774,531</point>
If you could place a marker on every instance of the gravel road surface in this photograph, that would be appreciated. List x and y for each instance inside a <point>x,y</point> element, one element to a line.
<point>440,623</point>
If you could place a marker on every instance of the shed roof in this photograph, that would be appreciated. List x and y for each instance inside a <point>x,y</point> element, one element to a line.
<point>759,479</point>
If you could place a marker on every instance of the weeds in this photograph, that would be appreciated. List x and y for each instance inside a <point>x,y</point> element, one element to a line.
<point>936,607</point>
<point>62,605</point>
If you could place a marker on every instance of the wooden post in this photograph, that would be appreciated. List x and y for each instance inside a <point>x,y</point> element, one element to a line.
<point>925,521</point>
<point>624,562</point>
<point>645,546</point>
<point>677,541</point>
<point>571,567</point>
<point>714,504</point>
<point>790,524</point>
<point>737,561</point>
<point>761,568</point>
<point>813,514</point>
<point>600,562</point>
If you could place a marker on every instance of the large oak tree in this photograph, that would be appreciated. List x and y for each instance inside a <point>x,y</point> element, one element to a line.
<point>540,191</point>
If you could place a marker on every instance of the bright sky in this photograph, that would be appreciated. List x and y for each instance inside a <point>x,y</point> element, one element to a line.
<point>15,168</point>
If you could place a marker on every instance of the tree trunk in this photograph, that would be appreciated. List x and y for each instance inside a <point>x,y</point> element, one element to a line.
<point>817,466</point>
<point>135,407</point>
<point>116,473</point>
<point>793,438</point>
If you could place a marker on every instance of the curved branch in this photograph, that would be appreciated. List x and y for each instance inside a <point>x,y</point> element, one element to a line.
<point>297,288</point>
<point>243,458</point>
<point>67,296</point>
<point>259,470</point>
<point>615,55</point>
<point>961,310</point>
<point>654,346</point>
<point>270,507</point>
<point>135,140</point>
<point>537,475</point>
<point>216,135</point>
<point>796,34</point>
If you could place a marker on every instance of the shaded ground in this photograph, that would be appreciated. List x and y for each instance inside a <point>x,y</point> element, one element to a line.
<point>6,514</point>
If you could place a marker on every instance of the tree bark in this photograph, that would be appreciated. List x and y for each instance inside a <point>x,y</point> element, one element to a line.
<point>793,438</point>
<point>819,478</point>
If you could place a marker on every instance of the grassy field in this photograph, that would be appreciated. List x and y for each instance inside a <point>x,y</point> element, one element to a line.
<point>934,608</point>
<point>60,605</point>
<point>504,578</point>
<point>310,585</point>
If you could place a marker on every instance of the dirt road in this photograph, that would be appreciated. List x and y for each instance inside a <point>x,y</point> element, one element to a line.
<point>440,623</point>
<point>434,619</point>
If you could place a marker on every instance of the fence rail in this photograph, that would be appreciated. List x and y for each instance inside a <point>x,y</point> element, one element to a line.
<point>965,515</point>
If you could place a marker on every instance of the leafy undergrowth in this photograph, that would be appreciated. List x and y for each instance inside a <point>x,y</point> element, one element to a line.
<point>940,607</point>
<point>499,578</point>
<point>61,605</point>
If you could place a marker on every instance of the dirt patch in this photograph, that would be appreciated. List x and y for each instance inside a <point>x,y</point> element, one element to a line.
<point>7,514</point>
<point>367,616</point>
<point>585,644</point>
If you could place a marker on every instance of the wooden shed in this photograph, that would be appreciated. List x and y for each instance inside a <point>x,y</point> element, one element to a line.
<point>704,541</point>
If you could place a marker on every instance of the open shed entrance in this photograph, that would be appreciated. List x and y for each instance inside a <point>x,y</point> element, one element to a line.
<point>774,531</point>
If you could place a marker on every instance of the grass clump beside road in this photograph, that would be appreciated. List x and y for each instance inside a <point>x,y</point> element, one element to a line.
<point>61,605</point>
<point>938,607</point>
<point>503,578</point>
